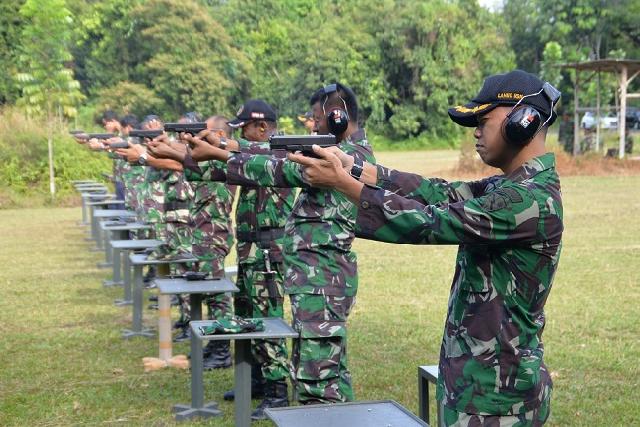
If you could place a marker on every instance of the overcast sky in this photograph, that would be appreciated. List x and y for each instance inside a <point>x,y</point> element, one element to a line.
<point>491,4</point>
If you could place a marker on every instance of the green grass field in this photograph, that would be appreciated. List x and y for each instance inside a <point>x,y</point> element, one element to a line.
<point>62,361</point>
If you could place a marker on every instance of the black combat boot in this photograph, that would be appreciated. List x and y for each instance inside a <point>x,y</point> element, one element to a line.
<point>151,274</point>
<point>219,357</point>
<point>257,385</point>
<point>275,396</point>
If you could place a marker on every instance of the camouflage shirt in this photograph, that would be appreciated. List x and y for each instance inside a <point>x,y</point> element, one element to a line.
<point>178,196</point>
<point>321,227</point>
<point>509,231</point>
<point>211,206</point>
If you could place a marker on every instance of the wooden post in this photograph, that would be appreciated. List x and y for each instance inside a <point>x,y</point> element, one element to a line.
<point>622,121</point>
<point>576,117</point>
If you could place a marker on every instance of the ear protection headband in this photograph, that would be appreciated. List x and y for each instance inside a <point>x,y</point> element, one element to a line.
<point>337,118</point>
<point>524,122</point>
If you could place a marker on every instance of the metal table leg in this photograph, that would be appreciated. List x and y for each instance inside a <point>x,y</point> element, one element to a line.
<point>242,384</point>
<point>196,306</point>
<point>137,307</point>
<point>84,211</point>
<point>106,238</point>
<point>197,408</point>
<point>117,270</point>
<point>127,281</point>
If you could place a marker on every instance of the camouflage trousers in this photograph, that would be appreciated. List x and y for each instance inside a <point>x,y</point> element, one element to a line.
<point>178,241</point>
<point>533,418</point>
<point>319,358</point>
<point>253,300</point>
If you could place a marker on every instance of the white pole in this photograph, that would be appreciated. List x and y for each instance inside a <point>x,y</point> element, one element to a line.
<point>52,178</point>
<point>622,121</point>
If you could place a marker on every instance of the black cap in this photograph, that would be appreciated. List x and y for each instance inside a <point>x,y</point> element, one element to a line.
<point>505,89</point>
<point>254,109</point>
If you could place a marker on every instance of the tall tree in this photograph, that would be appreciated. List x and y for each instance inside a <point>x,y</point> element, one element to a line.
<point>10,29</point>
<point>47,84</point>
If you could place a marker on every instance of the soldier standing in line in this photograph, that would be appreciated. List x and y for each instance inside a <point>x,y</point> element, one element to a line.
<point>509,231</point>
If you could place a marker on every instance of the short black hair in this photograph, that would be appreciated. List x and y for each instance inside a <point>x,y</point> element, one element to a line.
<point>191,117</point>
<point>150,118</point>
<point>344,92</point>
<point>129,120</point>
<point>109,115</point>
<point>221,122</point>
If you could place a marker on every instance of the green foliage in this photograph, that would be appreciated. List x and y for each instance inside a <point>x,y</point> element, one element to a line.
<point>47,85</point>
<point>407,61</point>
<point>126,97</point>
<point>23,158</point>
<point>10,28</point>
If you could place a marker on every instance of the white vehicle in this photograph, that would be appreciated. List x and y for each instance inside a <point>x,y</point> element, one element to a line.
<point>606,122</point>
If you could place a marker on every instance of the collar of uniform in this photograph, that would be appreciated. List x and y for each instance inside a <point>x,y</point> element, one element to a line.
<point>357,136</point>
<point>533,167</point>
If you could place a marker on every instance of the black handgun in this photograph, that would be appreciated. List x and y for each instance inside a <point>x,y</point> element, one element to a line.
<point>100,135</point>
<point>302,143</point>
<point>140,133</point>
<point>190,128</point>
<point>116,145</point>
<point>76,132</point>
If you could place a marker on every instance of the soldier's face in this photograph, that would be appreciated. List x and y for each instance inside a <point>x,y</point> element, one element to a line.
<point>112,126</point>
<point>255,131</point>
<point>491,145</point>
<point>319,120</point>
<point>153,125</point>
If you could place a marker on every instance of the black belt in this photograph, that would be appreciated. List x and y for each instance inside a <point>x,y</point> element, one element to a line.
<point>264,236</point>
<point>174,206</point>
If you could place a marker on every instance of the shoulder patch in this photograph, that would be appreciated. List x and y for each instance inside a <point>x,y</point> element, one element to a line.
<point>495,201</point>
<point>512,194</point>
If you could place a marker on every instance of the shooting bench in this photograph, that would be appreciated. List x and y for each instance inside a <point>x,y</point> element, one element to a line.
<point>428,374</point>
<point>118,231</point>
<point>196,289</point>
<point>274,328</point>
<point>105,214</point>
<point>353,414</point>
<point>138,261</point>
<point>120,246</point>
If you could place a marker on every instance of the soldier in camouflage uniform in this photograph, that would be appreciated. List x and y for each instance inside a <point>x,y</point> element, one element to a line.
<point>111,124</point>
<point>260,219</point>
<point>320,267</point>
<point>130,173</point>
<point>509,231</point>
<point>177,206</point>
<point>211,236</point>
<point>151,196</point>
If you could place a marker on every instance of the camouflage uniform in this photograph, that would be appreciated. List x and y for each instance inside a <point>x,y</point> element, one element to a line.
<point>119,164</point>
<point>509,229</point>
<point>212,234</point>
<point>260,219</point>
<point>177,203</point>
<point>152,200</point>
<point>320,270</point>
<point>132,175</point>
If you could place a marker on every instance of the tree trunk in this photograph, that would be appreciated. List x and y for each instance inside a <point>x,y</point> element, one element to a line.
<point>52,178</point>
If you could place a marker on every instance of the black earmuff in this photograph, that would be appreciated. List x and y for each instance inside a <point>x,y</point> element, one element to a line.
<point>524,121</point>
<point>521,125</point>
<point>337,118</point>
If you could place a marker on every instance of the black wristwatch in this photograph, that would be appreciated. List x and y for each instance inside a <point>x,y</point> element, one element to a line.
<point>357,168</point>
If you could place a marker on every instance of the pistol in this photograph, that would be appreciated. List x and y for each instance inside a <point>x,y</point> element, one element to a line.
<point>190,128</point>
<point>140,133</point>
<point>302,143</point>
